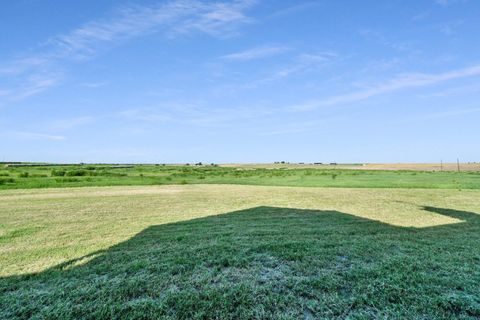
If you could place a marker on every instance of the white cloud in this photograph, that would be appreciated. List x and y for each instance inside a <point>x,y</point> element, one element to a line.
<point>294,9</point>
<point>19,66</point>
<point>470,88</point>
<point>171,19</point>
<point>395,84</point>
<point>145,115</point>
<point>214,18</point>
<point>451,27</point>
<point>196,113</point>
<point>445,3</point>
<point>174,17</point>
<point>284,131</point>
<point>255,53</point>
<point>442,2</point>
<point>454,113</point>
<point>94,85</point>
<point>301,63</point>
<point>447,114</point>
<point>71,123</point>
<point>383,39</point>
<point>34,84</point>
<point>24,135</point>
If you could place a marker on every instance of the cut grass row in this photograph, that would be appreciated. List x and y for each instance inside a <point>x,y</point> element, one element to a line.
<point>239,252</point>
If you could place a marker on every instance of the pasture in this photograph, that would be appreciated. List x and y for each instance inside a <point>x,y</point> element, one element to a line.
<point>54,176</point>
<point>203,251</point>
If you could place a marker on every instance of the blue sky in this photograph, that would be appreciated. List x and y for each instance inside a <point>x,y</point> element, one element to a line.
<point>239,81</point>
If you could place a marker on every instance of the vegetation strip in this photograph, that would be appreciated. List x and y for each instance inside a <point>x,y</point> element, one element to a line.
<point>109,175</point>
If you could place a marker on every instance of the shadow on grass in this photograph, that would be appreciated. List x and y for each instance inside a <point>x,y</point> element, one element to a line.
<point>265,262</point>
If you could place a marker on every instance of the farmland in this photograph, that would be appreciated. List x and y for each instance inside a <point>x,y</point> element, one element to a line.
<point>15,177</point>
<point>234,245</point>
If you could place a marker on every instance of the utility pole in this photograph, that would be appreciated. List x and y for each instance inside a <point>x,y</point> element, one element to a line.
<point>441,165</point>
<point>458,165</point>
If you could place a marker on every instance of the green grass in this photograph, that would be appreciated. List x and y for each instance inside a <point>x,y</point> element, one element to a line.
<point>107,175</point>
<point>239,252</point>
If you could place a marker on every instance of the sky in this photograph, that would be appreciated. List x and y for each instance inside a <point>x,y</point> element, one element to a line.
<point>144,81</point>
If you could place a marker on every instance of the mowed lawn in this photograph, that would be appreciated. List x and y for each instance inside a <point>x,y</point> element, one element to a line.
<point>239,252</point>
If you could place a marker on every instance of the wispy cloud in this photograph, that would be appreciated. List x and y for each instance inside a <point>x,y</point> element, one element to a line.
<point>382,39</point>
<point>72,123</point>
<point>283,132</point>
<point>196,113</point>
<point>256,53</point>
<point>300,63</point>
<point>451,27</point>
<point>445,3</point>
<point>174,17</point>
<point>442,2</point>
<point>94,85</point>
<point>398,83</point>
<point>24,135</point>
<point>146,115</point>
<point>441,115</point>
<point>295,9</point>
<point>470,88</point>
<point>171,19</point>
<point>33,84</point>
<point>453,113</point>
<point>215,18</point>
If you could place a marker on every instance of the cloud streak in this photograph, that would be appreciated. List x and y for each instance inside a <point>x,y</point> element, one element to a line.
<point>24,135</point>
<point>255,53</point>
<point>445,3</point>
<point>34,73</point>
<point>402,82</point>
<point>299,64</point>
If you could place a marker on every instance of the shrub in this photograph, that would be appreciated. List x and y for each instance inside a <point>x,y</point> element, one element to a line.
<point>23,175</point>
<point>76,173</point>
<point>6,180</point>
<point>57,173</point>
<point>4,174</point>
<point>104,173</point>
<point>67,180</point>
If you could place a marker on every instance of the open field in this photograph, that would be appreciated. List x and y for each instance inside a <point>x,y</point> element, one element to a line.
<point>423,166</point>
<point>233,251</point>
<point>111,175</point>
<point>365,166</point>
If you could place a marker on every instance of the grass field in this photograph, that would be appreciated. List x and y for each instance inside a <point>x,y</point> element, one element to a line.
<point>239,252</point>
<point>475,166</point>
<point>288,175</point>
